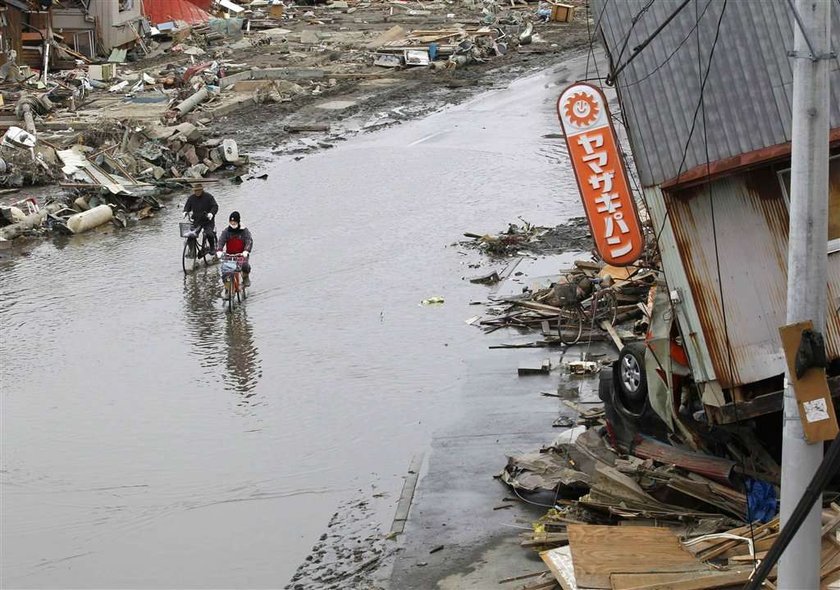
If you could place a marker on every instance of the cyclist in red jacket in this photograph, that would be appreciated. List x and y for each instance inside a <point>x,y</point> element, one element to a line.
<point>236,239</point>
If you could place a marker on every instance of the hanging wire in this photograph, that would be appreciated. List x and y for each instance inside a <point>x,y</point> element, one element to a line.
<point>641,46</point>
<point>674,51</point>
<point>717,267</point>
<point>591,54</point>
<point>696,110</point>
<point>633,22</point>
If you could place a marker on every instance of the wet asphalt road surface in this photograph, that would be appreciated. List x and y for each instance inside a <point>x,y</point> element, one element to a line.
<point>151,440</point>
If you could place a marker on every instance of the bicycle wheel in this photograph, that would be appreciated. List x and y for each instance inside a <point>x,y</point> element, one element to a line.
<point>570,324</point>
<point>189,258</point>
<point>607,308</point>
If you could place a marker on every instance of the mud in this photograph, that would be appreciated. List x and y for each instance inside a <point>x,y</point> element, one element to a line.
<point>352,554</point>
<point>380,103</point>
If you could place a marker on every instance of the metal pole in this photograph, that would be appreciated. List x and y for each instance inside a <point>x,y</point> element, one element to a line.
<point>799,566</point>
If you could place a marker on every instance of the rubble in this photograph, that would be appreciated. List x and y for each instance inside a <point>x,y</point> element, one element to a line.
<point>121,101</point>
<point>543,310</point>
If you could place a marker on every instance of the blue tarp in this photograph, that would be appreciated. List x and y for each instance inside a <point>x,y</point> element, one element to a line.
<point>762,505</point>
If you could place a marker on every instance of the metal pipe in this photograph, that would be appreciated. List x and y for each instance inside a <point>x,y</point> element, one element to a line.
<point>799,566</point>
<point>28,118</point>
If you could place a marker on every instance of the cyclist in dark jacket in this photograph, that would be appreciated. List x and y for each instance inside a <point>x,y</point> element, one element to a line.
<point>203,207</point>
<point>236,239</point>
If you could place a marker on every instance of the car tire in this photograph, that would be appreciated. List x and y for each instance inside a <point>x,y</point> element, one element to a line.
<point>631,390</point>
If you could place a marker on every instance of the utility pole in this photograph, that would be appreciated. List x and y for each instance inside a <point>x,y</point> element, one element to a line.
<point>799,566</point>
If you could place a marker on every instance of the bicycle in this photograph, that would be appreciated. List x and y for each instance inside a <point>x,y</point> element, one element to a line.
<point>193,250</point>
<point>602,306</point>
<point>231,271</point>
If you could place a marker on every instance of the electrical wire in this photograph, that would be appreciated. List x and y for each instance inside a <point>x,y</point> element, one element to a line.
<point>717,267</point>
<point>673,53</point>
<point>640,47</point>
<point>591,53</point>
<point>696,110</point>
<point>633,22</point>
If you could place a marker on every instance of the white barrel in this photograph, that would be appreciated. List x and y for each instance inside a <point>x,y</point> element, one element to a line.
<point>82,222</point>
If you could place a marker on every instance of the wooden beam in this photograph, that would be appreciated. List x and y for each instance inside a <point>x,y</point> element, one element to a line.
<point>760,405</point>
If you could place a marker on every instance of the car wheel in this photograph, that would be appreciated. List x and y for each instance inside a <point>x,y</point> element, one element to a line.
<point>630,379</point>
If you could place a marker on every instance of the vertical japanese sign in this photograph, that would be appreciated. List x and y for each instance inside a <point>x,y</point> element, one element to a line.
<point>600,173</point>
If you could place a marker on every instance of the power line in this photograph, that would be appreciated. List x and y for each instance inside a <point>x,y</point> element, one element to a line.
<point>674,52</point>
<point>591,54</point>
<point>633,22</point>
<point>639,48</point>
<point>730,364</point>
<point>697,109</point>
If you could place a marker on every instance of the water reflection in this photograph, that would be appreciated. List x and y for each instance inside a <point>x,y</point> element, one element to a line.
<point>223,341</point>
<point>244,368</point>
<point>204,314</point>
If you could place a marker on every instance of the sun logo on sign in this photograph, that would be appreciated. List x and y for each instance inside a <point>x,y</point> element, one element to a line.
<point>581,109</point>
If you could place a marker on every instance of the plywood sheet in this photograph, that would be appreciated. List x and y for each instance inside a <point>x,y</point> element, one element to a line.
<point>599,551</point>
<point>559,561</point>
<point>681,581</point>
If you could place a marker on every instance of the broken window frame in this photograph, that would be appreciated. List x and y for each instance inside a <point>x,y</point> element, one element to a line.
<point>783,175</point>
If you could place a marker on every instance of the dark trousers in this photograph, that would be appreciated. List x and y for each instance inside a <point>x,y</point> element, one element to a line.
<point>209,229</point>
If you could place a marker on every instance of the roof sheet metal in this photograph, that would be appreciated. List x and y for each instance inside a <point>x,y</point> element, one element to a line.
<point>751,227</point>
<point>162,11</point>
<point>747,98</point>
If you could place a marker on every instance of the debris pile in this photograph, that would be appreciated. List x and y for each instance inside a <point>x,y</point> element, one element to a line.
<point>121,167</point>
<point>585,303</point>
<point>688,510</point>
<point>524,239</point>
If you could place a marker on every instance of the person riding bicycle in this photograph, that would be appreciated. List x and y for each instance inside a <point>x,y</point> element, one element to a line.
<point>203,207</point>
<point>236,240</point>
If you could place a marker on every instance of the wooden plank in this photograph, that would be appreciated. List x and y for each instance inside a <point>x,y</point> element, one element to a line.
<point>599,551</point>
<point>761,405</point>
<point>608,328</point>
<point>694,581</point>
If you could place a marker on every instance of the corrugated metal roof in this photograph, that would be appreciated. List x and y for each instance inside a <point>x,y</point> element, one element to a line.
<point>162,11</point>
<point>749,88</point>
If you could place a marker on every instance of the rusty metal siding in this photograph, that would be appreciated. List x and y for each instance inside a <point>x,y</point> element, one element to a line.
<point>749,89</point>
<point>675,275</point>
<point>832,318</point>
<point>751,220</point>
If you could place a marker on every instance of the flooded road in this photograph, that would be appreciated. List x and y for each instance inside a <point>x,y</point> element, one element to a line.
<point>151,440</point>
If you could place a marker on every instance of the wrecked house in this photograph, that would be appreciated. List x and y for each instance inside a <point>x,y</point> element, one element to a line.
<point>106,24</point>
<point>715,177</point>
<point>26,29</point>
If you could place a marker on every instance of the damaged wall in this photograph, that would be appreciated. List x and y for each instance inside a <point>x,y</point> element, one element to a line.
<point>751,227</point>
<point>11,29</point>
<point>113,18</point>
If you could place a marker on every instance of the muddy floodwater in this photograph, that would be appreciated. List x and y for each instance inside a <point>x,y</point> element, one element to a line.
<point>151,440</point>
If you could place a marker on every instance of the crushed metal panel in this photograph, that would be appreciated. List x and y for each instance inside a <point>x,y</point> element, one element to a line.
<point>78,167</point>
<point>749,88</point>
<point>751,227</point>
